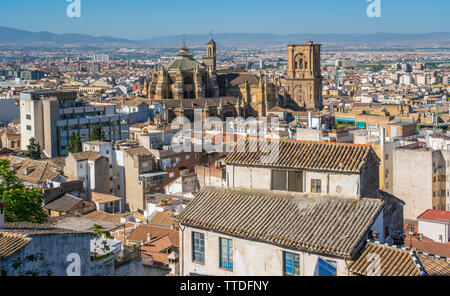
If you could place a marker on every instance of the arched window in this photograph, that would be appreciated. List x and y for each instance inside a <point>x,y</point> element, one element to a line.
<point>188,79</point>
<point>300,61</point>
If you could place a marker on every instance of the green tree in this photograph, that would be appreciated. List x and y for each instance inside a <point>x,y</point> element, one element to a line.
<point>75,144</point>
<point>100,236</point>
<point>33,150</point>
<point>96,133</point>
<point>21,204</point>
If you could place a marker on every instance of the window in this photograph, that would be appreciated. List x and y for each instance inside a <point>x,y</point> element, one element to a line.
<point>325,268</point>
<point>226,253</point>
<point>295,181</point>
<point>107,151</point>
<point>188,157</point>
<point>28,116</point>
<point>386,157</point>
<point>197,155</point>
<point>316,186</point>
<point>28,127</point>
<point>198,247</point>
<point>279,180</point>
<point>291,263</point>
<point>287,181</point>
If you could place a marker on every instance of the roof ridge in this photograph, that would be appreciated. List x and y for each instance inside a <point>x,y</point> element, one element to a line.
<point>306,141</point>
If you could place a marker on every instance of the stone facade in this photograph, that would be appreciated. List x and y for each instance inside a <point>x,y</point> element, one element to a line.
<point>304,81</point>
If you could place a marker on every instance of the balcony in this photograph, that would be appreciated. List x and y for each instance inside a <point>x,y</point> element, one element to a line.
<point>153,178</point>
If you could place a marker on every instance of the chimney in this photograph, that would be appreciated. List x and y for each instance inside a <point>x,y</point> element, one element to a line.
<point>382,136</point>
<point>149,237</point>
<point>374,235</point>
<point>2,215</point>
<point>309,119</point>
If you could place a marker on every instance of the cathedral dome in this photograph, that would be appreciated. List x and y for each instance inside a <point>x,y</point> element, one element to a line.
<point>184,60</point>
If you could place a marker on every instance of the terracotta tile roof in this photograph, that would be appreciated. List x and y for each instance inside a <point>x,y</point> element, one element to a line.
<point>133,103</point>
<point>140,233</point>
<point>63,204</point>
<point>33,171</point>
<point>399,261</point>
<point>236,78</point>
<point>429,246</point>
<point>328,225</point>
<point>155,249</point>
<point>434,266</point>
<point>159,244</point>
<point>86,155</point>
<point>159,259</point>
<point>435,216</point>
<point>303,155</point>
<point>394,261</point>
<point>102,198</point>
<point>11,243</point>
<point>163,219</point>
<point>139,150</point>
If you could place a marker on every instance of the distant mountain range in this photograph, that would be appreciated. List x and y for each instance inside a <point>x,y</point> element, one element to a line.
<point>262,40</point>
<point>15,36</point>
<point>21,37</point>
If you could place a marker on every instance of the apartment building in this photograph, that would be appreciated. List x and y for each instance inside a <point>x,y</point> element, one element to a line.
<point>142,174</point>
<point>92,169</point>
<point>52,116</point>
<point>149,171</point>
<point>116,170</point>
<point>309,212</point>
<point>420,179</point>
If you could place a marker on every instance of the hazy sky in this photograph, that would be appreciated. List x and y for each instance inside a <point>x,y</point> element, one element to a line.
<point>141,19</point>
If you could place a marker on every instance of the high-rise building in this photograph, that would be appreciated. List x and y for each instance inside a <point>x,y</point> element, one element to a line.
<point>51,116</point>
<point>101,58</point>
<point>304,81</point>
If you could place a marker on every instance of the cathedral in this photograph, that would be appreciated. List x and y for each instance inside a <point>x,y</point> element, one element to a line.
<point>186,84</point>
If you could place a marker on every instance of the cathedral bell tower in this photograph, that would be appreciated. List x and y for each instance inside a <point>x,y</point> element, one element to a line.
<point>211,55</point>
<point>304,81</point>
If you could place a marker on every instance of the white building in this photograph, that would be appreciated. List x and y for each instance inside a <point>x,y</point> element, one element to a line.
<point>307,213</point>
<point>435,224</point>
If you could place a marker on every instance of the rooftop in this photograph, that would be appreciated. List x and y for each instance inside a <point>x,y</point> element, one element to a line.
<point>326,225</point>
<point>63,204</point>
<point>33,171</point>
<point>86,155</point>
<point>435,216</point>
<point>303,155</point>
<point>399,261</point>
<point>11,243</point>
<point>102,198</point>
